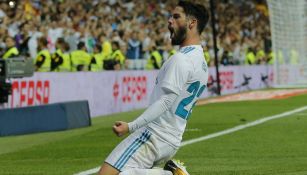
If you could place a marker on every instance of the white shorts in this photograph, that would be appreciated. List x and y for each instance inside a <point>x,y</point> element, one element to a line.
<point>141,149</point>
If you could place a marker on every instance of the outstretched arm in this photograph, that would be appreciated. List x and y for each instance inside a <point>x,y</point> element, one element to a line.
<point>151,113</point>
<point>154,111</point>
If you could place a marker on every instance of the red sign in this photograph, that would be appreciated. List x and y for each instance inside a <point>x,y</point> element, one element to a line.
<point>130,89</point>
<point>28,93</point>
<point>227,80</point>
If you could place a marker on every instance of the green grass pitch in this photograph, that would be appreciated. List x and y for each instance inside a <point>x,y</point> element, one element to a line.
<point>275,147</point>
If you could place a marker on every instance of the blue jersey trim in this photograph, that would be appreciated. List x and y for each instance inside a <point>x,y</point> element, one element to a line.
<point>187,50</point>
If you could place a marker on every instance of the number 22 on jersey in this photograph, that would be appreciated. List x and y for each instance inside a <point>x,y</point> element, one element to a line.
<point>196,90</point>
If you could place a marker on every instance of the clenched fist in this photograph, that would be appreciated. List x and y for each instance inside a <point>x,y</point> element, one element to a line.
<point>120,128</point>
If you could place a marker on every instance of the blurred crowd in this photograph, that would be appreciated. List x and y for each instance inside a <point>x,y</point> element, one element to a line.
<point>81,35</point>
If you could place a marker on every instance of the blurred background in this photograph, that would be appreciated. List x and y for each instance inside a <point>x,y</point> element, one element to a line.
<point>128,32</point>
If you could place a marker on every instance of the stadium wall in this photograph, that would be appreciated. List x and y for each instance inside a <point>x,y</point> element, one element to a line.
<point>118,91</point>
<point>52,117</point>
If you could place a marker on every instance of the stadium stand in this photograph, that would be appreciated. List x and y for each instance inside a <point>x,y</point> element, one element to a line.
<point>243,29</point>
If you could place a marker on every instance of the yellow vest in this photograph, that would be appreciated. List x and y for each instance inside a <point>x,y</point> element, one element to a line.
<point>158,59</point>
<point>271,58</point>
<point>98,66</point>
<point>260,55</point>
<point>250,58</point>
<point>118,56</point>
<point>207,57</point>
<point>45,67</point>
<point>171,52</point>
<point>56,57</point>
<point>80,57</point>
<point>107,49</point>
<point>66,65</point>
<point>11,52</point>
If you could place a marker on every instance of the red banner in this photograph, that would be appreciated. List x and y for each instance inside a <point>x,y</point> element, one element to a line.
<point>30,92</point>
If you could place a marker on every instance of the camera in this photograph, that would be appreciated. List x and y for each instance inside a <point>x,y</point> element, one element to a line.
<point>16,67</point>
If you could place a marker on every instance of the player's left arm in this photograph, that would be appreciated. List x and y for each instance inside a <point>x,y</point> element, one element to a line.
<point>154,111</point>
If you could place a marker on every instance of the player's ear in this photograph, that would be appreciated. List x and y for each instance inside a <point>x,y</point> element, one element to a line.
<point>192,23</point>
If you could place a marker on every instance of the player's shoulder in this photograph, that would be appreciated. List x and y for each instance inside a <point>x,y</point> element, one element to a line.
<point>179,58</point>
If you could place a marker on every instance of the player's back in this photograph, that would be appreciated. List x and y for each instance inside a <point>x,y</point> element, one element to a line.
<point>186,74</point>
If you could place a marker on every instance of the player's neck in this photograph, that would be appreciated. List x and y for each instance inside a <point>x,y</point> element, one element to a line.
<point>190,41</point>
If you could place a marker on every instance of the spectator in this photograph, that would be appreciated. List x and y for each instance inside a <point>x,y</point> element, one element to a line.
<point>134,47</point>
<point>66,65</point>
<point>97,60</point>
<point>11,49</point>
<point>250,57</point>
<point>226,59</point>
<point>117,54</point>
<point>80,59</point>
<point>43,59</point>
<point>106,45</point>
<point>22,38</point>
<point>155,59</point>
<point>57,56</point>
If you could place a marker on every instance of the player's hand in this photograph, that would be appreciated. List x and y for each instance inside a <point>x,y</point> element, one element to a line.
<point>120,128</point>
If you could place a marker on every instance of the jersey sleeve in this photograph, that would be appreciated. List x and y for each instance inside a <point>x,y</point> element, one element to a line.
<point>177,74</point>
<point>154,111</point>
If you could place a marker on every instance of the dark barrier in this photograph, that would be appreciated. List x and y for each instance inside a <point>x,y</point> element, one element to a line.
<point>53,117</point>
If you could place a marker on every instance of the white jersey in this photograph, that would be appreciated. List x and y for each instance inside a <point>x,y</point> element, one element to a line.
<point>186,74</point>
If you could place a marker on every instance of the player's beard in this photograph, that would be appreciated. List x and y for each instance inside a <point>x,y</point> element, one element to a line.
<point>178,36</point>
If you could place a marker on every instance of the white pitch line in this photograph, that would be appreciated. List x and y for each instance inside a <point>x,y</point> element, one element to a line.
<point>88,172</point>
<point>240,127</point>
<point>217,134</point>
<point>301,114</point>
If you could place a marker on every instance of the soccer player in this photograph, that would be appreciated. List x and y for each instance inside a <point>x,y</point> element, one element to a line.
<point>157,133</point>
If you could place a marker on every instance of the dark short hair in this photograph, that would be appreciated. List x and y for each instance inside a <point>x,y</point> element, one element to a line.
<point>98,47</point>
<point>43,41</point>
<point>196,10</point>
<point>116,44</point>
<point>61,40</point>
<point>80,45</point>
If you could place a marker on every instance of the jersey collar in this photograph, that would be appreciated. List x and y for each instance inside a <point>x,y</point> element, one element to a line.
<point>189,48</point>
